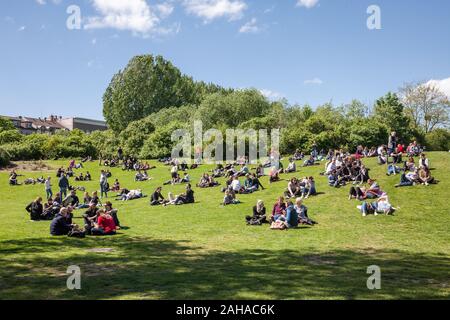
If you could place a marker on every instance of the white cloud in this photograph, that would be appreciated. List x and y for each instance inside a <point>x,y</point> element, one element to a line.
<point>307,3</point>
<point>94,41</point>
<point>250,27</point>
<point>443,85</point>
<point>214,9</point>
<point>164,9</point>
<point>315,81</point>
<point>22,28</point>
<point>269,94</point>
<point>132,15</point>
<point>44,2</point>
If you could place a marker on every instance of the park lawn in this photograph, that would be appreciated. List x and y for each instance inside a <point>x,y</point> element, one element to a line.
<point>206,251</point>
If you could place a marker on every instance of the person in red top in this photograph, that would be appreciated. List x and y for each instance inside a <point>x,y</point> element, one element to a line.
<point>105,225</point>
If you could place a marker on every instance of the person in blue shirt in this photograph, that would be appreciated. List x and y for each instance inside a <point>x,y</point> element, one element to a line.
<point>291,216</point>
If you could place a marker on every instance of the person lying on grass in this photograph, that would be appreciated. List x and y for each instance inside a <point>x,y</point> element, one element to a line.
<point>132,195</point>
<point>381,206</point>
<point>171,200</point>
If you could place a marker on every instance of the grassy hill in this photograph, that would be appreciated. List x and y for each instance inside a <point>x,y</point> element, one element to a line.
<point>206,251</point>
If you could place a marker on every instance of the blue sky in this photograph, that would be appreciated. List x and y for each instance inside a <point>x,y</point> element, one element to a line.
<point>308,51</point>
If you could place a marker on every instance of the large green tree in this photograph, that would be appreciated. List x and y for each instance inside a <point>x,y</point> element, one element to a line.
<point>390,111</point>
<point>147,85</point>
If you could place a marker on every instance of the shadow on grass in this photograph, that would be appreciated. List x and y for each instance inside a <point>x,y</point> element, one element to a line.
<point>142,268</point>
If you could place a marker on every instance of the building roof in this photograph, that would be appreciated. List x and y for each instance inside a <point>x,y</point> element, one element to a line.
<point>47,123</point>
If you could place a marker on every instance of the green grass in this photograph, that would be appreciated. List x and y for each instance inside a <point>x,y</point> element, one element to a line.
<point>205,251</point>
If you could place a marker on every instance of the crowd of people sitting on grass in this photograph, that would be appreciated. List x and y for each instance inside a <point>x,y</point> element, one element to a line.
<point>341,168</point>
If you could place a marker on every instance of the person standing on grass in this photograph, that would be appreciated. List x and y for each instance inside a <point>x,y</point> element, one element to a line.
<point>48,188</point>
<point>63,186</point>
<point>103,184</point>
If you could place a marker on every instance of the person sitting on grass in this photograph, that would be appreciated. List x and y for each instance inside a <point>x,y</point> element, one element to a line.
<point>298,155</point>
<point>116,186</point>
<point>309,188</point>
<point>392,169</point>
<point>87,176</point>
<point>259,214</point>
<point>187,197</point>
<point>249,185</point>
<point>207,181</point>
<point>35,209</point>
<point>259,171</point>
<point>410,165</point>
<point>291,220</point>
<point>309,162</point>
<point>423,161</point>
<point>292,167</point>
<point>236,185</point>
<point>425,177</point>
<point>279,209</point>
<point>293,190</point>
<point>186,178</point>
<point>50,209</point>
<point>274,175</point>
<point>230,198</point>
<point>360,193</point>
<point>408,179</point>
<point>71,200</point>
<point>113,213</point>
<point>61,225</point>
<point>302,212</point>
<point>105,224</point>
<point>95,199</point>
<point>157,198</point>
<point>90,217</point>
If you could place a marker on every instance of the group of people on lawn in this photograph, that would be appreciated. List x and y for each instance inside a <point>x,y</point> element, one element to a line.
<point>341,168</point>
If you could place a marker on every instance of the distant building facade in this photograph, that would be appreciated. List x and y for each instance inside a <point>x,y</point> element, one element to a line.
<point>86,125</point>
<point>52,124</point>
